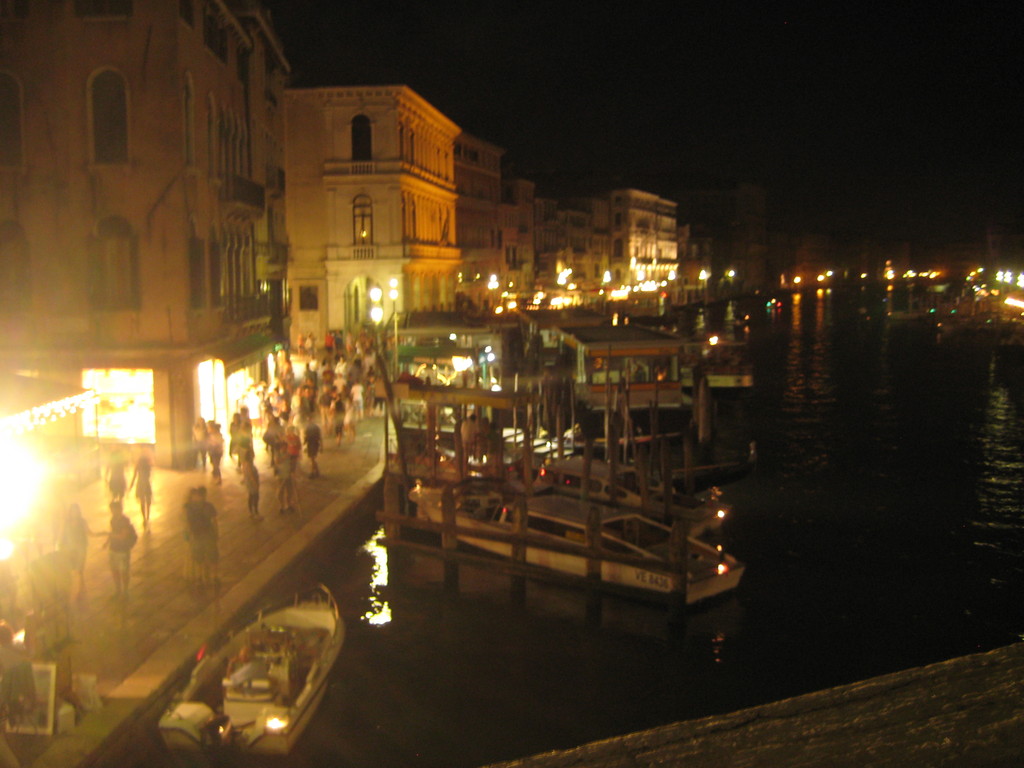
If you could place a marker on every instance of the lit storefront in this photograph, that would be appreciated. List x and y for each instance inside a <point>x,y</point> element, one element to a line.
<point>229,379</point>
<point>125,408</point>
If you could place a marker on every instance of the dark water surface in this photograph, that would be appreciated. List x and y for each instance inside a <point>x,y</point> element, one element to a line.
<point>881,530</point>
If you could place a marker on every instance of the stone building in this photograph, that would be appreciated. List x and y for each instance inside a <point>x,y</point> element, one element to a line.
<point>643,238</point>
<point>478,230</point>
<point>517,238</point>
<point>371,205</point>
<point>141,208</point>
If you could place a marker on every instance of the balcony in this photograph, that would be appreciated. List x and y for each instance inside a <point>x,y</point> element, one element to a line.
<point>241,309</point>
<point>242,193</point>
<point>351,252</point>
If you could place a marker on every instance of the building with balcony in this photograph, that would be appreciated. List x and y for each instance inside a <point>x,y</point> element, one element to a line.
<point>517,239</point>
<point>371,205</point>
<point>478,219</point>
<point>643,238</point>
<point>141,215</point>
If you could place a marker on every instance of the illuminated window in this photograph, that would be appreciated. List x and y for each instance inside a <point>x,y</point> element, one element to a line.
<point>124,412</point>
<point>16,287</point>
<point>10,121</point>
<point>362,138</point>
<point>109,101</point>
<point>100,8</point>
<point>114,265</point>
<point>362,220</point>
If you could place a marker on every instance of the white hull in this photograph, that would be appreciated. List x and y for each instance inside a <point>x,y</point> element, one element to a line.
<point>705,578</point>
<point>293,649</point>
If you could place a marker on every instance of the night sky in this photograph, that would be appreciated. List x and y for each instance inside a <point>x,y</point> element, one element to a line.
<point>858,119</point>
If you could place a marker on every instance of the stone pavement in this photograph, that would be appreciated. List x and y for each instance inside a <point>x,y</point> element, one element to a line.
<point>134,644</point>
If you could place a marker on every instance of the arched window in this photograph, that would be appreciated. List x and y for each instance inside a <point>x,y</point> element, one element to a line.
<point>362,220</point>
<point>16,287</point>
<point>188,109</point>
<point>10,121</point>
<point>115,269</point>
<point>109,101</point>
<point>362,138</point>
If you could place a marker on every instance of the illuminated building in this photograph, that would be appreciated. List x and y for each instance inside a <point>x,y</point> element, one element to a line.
<point>141,206</point>
<point>371,198</point>
<point>478,223</point>
<point>643,237</point>
<point>516,212</point>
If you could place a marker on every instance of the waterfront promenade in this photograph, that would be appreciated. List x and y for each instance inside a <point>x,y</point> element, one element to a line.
<point>134,645</point>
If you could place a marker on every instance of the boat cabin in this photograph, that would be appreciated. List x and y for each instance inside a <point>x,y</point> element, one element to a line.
<point>643,361</point>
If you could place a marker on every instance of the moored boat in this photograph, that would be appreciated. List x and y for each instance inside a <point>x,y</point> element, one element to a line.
<point>258,691</point>
<point>636,548</point>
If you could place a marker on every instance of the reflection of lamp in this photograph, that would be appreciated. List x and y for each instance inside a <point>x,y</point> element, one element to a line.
<point>376,293</point>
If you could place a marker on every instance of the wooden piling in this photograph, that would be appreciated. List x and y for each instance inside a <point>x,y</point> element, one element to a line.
<point>520,517</point>
<point>449,540</point>
<point>593,539</point>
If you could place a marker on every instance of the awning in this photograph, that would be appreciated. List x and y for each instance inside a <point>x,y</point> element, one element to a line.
<point>239,353</point>
<point>26,401</point>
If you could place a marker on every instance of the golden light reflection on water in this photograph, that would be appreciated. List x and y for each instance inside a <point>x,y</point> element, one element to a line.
<point>380,611</point>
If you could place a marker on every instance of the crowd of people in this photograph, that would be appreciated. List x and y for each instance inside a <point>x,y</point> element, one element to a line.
<point>308,404</point>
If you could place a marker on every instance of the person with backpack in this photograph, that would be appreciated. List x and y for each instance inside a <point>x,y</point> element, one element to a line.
<point>120,541</point>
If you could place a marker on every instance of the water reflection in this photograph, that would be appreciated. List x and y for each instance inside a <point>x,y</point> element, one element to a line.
<point>380,610</point>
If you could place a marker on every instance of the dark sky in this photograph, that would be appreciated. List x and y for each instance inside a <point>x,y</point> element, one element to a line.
<point>892,121</point>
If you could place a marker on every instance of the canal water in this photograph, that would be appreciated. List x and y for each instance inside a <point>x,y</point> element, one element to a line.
<point>882,530</point>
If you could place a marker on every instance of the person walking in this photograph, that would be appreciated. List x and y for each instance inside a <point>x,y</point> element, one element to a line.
<point>215,446</point>
<point>200,441</point>
<point>201,517</point>
<point>117,482</point>
<point>120,540</point>
<point>314,442</point>
<point>293,445</point>
<point>17,691</point>
<point>251,480</point>
<point>73,541</point>
<point>143,484</point>
<point>287,490</point>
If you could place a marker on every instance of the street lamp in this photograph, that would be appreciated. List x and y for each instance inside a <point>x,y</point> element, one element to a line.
<point>393,295</point>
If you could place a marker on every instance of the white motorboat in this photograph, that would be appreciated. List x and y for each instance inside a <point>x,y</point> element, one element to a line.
<point>632,540</point>
<point>259,690</point>
<point>565,476</point>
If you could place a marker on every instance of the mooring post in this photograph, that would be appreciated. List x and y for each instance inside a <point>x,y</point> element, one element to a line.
<point>460,449</point>
<point>392,506</point>
<point>449,540</point>
<point>520,517</point>
<point>593,539</point>
<point>432,441</point>
<point>679,555</point>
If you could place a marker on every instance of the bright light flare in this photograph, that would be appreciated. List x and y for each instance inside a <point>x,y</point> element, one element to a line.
<point>21,474</point>
<point>276,723</point>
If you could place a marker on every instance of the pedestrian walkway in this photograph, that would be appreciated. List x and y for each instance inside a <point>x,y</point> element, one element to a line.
<point>133,644</point>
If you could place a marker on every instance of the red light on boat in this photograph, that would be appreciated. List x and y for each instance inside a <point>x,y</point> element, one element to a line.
<point>201,652</point>
<point>543,472</point>
<point>722,569</point>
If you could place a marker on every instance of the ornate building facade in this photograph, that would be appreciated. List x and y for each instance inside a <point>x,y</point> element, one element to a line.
<point>141,206</point>
<point>372,205</point>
